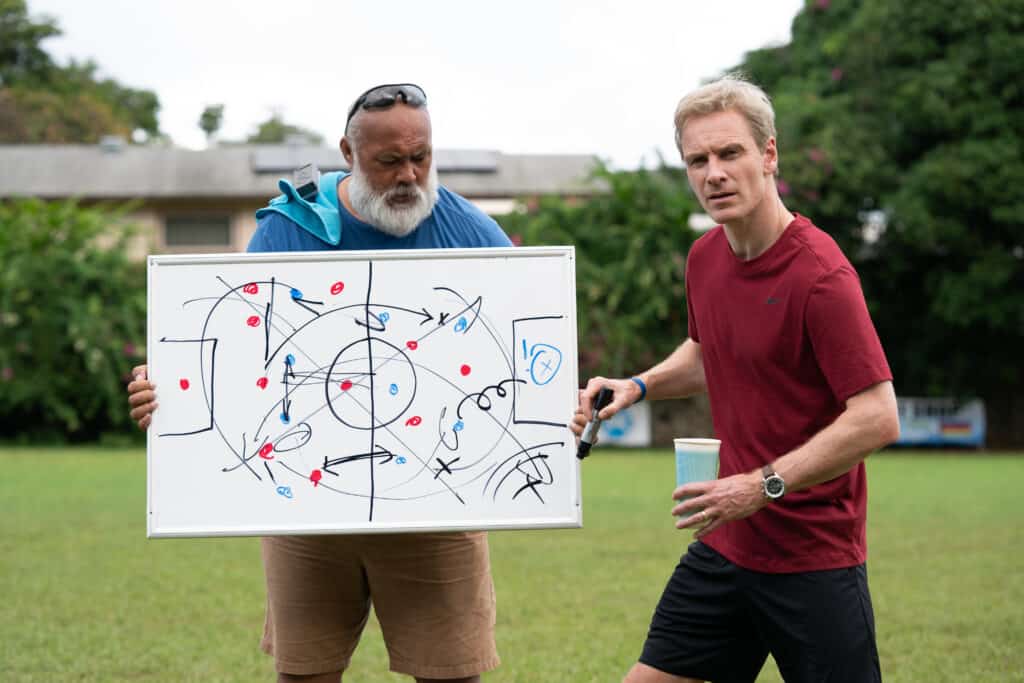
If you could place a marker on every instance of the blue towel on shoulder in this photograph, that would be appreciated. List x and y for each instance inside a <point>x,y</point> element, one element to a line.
<point>319,217</point>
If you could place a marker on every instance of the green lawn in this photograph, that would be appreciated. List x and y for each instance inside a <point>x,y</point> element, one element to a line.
<point>85,597</point>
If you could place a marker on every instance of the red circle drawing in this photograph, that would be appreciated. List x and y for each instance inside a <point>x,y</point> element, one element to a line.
<point>465,370</point>
<point>413,421</point>
<point>346,385</point>
<point>412,345</point>
<point>265,451</point>
<point>315,476</point>
<point>337,287</point>
<point>262,382</point>
<point>253,321</point>
<point>251,288</point>
<point>183,383</point>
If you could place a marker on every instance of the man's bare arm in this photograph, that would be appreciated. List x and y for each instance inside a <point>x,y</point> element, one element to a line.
<point>678,376</point>
<point>869,422</point>
<point>681,374</point>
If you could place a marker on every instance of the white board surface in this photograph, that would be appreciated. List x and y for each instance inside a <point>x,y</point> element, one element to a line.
<point>356,392</point>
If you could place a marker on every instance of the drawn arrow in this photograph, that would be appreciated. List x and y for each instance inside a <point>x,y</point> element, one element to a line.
<point>303,302</point>
<point>286,404</point>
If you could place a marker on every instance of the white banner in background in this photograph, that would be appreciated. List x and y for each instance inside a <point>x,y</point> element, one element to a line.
<point>630,427</point>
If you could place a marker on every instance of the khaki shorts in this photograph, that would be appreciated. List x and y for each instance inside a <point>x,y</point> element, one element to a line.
<point>432,593</point>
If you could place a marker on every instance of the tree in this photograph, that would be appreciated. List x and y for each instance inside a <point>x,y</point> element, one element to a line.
<point>136,109</point>
<point>210,120</point>
<point>46,117</point>
<point>275,131</point>
<point>41,101</point>
<point>631,243</point>
<point>21,58</point>
<point>923,133</point>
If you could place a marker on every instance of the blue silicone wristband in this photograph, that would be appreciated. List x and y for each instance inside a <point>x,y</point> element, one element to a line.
<point>643,388</point>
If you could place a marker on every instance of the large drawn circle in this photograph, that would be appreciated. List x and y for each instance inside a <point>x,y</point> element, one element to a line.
<point>392,366</point>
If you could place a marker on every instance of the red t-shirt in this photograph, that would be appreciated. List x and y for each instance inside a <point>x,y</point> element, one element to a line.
<point>785,338</point>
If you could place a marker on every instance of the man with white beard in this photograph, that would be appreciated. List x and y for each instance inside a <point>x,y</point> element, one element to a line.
<point>391,199</point>
<point>432,592</point>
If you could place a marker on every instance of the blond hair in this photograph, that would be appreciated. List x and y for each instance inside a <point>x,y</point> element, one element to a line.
<point>731,92</point>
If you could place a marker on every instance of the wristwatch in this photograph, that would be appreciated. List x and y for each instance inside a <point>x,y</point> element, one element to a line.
<point>774,485</point>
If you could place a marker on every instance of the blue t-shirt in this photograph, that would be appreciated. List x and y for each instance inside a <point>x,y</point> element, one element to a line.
<point>454,223</point>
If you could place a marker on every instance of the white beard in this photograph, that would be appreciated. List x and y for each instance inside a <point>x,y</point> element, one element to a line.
<point>375,209</point>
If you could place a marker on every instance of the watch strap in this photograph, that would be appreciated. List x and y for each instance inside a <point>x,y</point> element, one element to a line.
<point>770,478</point>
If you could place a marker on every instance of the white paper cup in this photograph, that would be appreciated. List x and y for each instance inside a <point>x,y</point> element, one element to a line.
<point>696,460</point>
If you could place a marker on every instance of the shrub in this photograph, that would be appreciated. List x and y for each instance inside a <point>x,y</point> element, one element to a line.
<point>631,244</point>
<point>72,320</point>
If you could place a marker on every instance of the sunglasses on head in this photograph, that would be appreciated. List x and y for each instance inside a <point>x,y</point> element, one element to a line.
<point>384,96</point>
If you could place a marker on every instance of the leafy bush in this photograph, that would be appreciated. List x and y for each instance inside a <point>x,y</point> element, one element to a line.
<point>631,244</point>
<point>72,320</point>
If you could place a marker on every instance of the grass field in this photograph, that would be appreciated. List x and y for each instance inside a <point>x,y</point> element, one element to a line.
<point>85,597</point>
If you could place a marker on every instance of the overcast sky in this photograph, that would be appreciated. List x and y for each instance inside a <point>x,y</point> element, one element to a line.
<point>531,76</point>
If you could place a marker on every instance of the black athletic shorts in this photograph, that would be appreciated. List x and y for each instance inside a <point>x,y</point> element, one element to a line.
<point>718,622</point>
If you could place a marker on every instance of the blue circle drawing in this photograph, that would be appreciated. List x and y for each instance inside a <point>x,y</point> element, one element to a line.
<point>384,317</point>
<point>400,460</point>
<point>296,294</point>
<point>545,364</point>
<point>457,427</point>
<point>393,389</point>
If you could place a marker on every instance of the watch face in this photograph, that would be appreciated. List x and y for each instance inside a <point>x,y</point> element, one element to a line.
<point>774,486</point>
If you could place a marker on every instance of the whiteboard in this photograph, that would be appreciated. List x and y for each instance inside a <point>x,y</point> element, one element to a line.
<point>362,391</point>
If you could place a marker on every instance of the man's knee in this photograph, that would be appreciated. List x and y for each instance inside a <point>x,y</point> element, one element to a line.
<point>641,673</point>
<point>332,677</point>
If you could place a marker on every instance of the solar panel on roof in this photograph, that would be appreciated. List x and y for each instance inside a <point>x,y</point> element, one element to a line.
<point>285,159</point>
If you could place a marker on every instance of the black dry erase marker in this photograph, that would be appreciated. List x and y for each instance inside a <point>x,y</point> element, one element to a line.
<point>604,397</point>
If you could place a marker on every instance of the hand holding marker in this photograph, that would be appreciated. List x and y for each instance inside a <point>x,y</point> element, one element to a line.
<point>604,397</point>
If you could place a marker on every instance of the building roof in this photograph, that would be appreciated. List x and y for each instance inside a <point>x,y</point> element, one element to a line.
<point>112,171</point>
